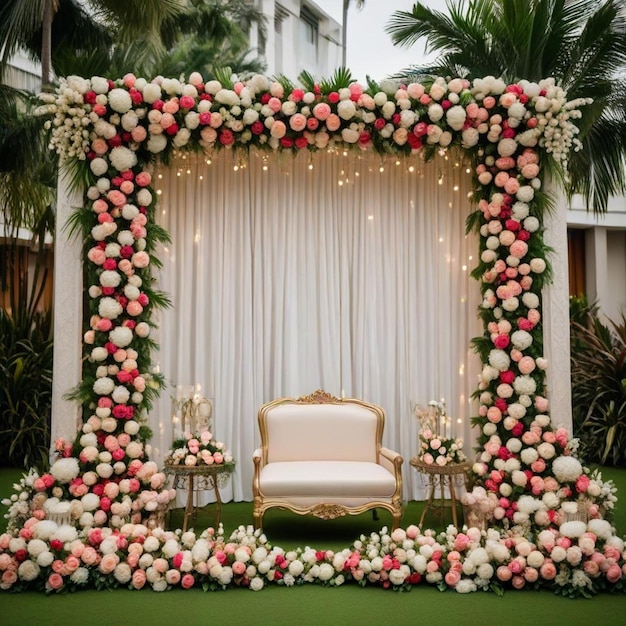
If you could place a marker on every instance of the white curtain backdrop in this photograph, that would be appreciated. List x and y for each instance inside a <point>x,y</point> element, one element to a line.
<point>337,271</point>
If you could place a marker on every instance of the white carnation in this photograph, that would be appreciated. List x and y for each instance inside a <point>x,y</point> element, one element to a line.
<point>121,336</point>
<point>103,386</point>
<point>120,100</point>
<point>122,158</point>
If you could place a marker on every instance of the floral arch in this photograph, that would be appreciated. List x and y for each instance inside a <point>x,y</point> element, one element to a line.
<point>108,134</point>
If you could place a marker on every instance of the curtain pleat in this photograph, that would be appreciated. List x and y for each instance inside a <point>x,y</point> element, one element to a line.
<point>332,270</point>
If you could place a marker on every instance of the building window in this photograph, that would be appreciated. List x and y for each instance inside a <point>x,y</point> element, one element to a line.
<point>309,35</point>
<point>576,256</point>
<point>280,15</point>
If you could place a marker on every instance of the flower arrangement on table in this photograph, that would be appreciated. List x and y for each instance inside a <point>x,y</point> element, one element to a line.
<point>198,450</point>
<point>435,448</point>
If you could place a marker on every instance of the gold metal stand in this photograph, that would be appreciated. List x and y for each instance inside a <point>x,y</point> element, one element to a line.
<point>198,478</point>
<point>442,477</point>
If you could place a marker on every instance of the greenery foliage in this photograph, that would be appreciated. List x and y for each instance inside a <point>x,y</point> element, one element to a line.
<point>598,384</point>
<point>25,367</point>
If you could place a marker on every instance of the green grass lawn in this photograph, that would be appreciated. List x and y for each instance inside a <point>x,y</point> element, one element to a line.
<point>311,604</point>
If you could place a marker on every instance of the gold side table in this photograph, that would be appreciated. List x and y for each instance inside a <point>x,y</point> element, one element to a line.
<point>441,477</point>
<point>198,478</point>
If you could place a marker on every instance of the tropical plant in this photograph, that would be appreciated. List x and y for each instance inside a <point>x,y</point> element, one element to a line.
<point>581,43</point>
<point>26,355</point>
<point>213,35</point>
<point>44,27</point>
<point>598,370</point>
<point>344,26</point>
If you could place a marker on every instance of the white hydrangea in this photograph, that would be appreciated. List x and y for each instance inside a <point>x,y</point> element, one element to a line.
<point>122,158</point>
<point>120,100</point>
<point>121,336</point>
<point>566,469</point>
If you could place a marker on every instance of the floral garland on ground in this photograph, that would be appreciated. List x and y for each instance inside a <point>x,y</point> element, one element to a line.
<point>51,558</point>
<point>110,132</point>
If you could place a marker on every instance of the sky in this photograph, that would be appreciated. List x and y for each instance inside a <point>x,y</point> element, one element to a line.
<point>370,51</point>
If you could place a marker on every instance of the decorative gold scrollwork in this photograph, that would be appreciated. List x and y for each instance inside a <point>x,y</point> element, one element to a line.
<point>329,511</point>
<point>318,397</point>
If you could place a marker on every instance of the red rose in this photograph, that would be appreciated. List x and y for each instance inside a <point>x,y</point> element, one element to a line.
<point>500,403</point>
<point>105,503</point>
<point>513,225</point>
<point>186,102</point>
<point>126,252</point>
<point>136,96</point>
<point>414,142</point>
<point>109,264</point>
<point>395,119</point>
<point>206,96</point>
<point>126,137</point>
<point>296,95</point>
<point>507,377</point>
<point>111,348</point>
<point>172,130</point>
<point>501,341</point>
<point>301,142</point>
<point>127,175</point>
<point>379,123</point>
<point>22,555</point>
<point>115,141</point>
<point>143,299</point>
<point>257,128</point>
<point>286,142</point>
<point>265,98</point>
<point>158,105</point>
<point>226,137</point>
<point>333,97</point>
<point>446,104</point>
<point>90,97</point>
<point>364,138</point>
<point>204,118</point>
<point>517,430</point>
<point>523,235</point>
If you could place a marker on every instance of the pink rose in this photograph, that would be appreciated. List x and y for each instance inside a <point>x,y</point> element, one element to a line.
<point>138,579</point>
<point>298,122</point>
<point>503,573</point>
<point>108,563</point>
<point>614,573</point>
<point>518,582</point>
<point>321,111</point>
<point>187,581</point>
<point>452,578</point>
<point>55,581</point>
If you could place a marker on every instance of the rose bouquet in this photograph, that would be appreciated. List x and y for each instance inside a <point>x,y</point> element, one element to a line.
<point>199,449</point>
<point>435,447</point>
<point>440,450</point>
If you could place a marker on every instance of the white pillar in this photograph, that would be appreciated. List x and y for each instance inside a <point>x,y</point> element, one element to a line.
<point>556,340</point>
<point>68,313</point>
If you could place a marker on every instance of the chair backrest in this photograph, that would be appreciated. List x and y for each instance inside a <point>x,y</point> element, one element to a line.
<point>320,427</point>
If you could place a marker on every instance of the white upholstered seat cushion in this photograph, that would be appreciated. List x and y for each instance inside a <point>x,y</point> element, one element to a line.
<point>326,478</point>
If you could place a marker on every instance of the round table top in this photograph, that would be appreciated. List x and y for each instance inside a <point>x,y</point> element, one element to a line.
<point>199,470</point>
<point>433,468</point>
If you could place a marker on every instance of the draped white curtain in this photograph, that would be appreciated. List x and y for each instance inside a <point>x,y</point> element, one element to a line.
<point>337,271</point>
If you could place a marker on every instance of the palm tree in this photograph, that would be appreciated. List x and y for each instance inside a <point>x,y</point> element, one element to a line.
<point>212,35</point>
<point>581,43</point>
<point>344,27</point>
<point>42,27</point>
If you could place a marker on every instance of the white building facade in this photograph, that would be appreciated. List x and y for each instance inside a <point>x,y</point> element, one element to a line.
<point>300,36</point>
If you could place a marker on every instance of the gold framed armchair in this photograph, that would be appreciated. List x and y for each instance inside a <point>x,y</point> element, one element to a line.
<point>323,456</point>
